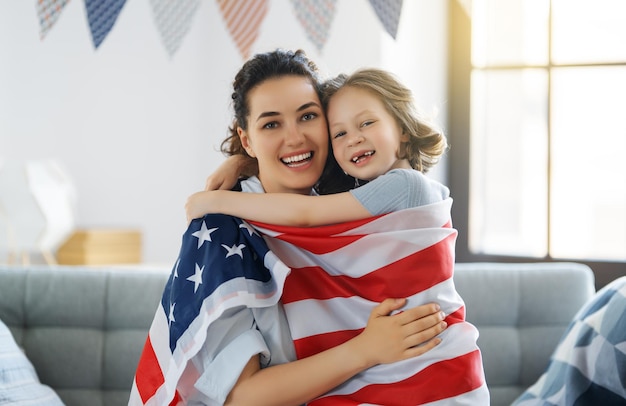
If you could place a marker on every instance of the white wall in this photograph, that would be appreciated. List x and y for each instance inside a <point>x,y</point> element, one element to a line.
<point>137,131</point>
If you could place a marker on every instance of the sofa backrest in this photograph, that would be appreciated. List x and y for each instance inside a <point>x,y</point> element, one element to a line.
<point>83,329</point>
<point>521,312</point>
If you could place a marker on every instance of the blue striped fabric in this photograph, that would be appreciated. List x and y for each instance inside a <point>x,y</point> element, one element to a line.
<point>588,366</point>
<point>19,384</point>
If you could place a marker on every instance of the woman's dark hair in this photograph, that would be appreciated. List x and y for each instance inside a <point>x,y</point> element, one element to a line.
<point>255,71</point>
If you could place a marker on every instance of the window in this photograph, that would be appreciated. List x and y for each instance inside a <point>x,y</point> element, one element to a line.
<point>537,95</point>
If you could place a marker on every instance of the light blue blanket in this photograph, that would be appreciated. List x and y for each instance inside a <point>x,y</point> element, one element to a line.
<point>588,366</point>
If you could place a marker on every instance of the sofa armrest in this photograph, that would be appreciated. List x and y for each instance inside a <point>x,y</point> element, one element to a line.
<point>521,311</point>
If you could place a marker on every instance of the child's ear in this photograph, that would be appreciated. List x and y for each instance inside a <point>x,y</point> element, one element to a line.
<point>245,141</point>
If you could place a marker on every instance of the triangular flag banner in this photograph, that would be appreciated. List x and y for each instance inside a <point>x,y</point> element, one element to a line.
<point>102,15</point>
<point>173,20</point>
<point>243,19</point>
<point>388,12</point>
<point>316,17</point>
<point>48,12</point>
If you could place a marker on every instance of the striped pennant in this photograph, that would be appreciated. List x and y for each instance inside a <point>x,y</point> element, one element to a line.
<point>173,20</point>
<point>48,12</point>
<point>102,15</point>
<point>388,12</point>
<point>316,17</point>
<point>243,19</point>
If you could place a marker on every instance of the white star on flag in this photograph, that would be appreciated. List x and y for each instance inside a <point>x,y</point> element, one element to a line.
<point>234,250</point>
<point>247,227</point>
<point>170,317</point>
<point>196,278</point>
<point>204,234</point>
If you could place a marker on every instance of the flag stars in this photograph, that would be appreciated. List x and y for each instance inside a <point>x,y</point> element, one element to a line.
<point>204,234</point>
<point>248,227</point>
<point>234,250</point>
<point>196,278</point>
<point>170,317</point>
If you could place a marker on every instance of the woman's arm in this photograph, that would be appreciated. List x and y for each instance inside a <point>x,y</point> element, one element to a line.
<point>278,208</point>
<point>386,338</point>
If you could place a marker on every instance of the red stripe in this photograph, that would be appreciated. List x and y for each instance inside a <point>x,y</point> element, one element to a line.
<point>442,380</point>
<point>403,278</point>
<point>148,377</point>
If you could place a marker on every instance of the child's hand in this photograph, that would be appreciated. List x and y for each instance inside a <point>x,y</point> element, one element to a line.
<point>390,338</point>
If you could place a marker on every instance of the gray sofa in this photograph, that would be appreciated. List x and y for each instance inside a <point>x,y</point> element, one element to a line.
<point>83,329</point>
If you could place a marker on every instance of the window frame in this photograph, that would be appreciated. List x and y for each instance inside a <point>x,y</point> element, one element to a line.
<point>458,132</point>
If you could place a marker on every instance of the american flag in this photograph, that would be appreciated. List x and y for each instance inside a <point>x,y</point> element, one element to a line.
<point>340,272</point>
<point>222,264</point>
<point>337,274</point>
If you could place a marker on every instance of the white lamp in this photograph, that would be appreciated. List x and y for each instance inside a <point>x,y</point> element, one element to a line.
<point>37,208</point>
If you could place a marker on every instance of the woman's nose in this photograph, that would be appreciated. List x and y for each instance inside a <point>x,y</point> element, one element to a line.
<point>294,135</point>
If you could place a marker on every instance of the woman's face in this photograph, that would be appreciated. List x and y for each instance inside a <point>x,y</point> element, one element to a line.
<point>287,133</point>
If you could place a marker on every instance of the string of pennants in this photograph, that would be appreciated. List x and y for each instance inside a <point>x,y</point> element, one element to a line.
<point>243,18</point>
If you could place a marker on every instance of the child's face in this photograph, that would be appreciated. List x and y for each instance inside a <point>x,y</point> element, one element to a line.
<point>365,136</point>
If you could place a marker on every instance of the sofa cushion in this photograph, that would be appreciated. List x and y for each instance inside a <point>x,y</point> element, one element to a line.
<point>19,383</point>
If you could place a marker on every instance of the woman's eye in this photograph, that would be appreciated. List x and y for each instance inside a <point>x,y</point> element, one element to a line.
<point>309,116</point>
<point>271,124</point>
<point>339,134</point>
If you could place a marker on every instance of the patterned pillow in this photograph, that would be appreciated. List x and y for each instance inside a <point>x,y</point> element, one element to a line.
<point>588,366</point>
<point>19,384</point>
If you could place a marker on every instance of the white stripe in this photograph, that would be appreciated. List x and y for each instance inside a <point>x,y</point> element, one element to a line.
<point>352,312</point>
<point>351,261</point>
<point>459,339</point>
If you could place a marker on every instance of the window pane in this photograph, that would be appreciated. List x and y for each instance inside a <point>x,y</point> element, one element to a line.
<point>508,182</point>
<point>588,31</point>
<point>509,32</point>
<point>588,216</point>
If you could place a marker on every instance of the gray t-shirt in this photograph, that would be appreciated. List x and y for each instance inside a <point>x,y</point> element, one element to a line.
<point>399,189</point>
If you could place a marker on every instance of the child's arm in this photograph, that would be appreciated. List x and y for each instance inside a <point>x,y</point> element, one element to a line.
<point>278,208</point>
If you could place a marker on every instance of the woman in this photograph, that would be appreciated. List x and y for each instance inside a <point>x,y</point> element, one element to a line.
<point>245,355</point>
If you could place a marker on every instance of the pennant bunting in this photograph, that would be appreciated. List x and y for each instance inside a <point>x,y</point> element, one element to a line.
<point>316,17</point>
<point>388,12</point>
<point>173,20</point>
<point>243,19</point>
<point>102,15</point>
<point>48,12</point>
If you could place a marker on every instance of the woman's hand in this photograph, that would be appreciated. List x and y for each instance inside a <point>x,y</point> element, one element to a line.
<point>227,174</point>
<point>389,338</point>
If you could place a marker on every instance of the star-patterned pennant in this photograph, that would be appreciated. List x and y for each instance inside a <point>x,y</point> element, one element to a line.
<point>48,12</point>
<point>243,20</point>
<point>102,15</point>
<point>316,17</point>
<point>173,20</point>
<point>388,12</point>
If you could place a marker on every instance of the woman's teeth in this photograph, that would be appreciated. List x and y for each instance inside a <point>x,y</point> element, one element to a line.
<point>297,159</point>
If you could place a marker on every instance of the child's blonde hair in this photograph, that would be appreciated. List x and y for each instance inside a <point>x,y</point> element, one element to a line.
<point>426,143</point>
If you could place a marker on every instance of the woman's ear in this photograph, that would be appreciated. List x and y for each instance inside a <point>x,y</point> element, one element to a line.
<point>245,141</point>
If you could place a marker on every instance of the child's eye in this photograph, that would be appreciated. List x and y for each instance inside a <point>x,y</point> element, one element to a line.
<point>309,116</point>
<point>339,134</point>
<point>366,123</point>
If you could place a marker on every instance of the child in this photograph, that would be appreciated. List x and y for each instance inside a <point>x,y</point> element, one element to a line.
<point>377,137</point>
